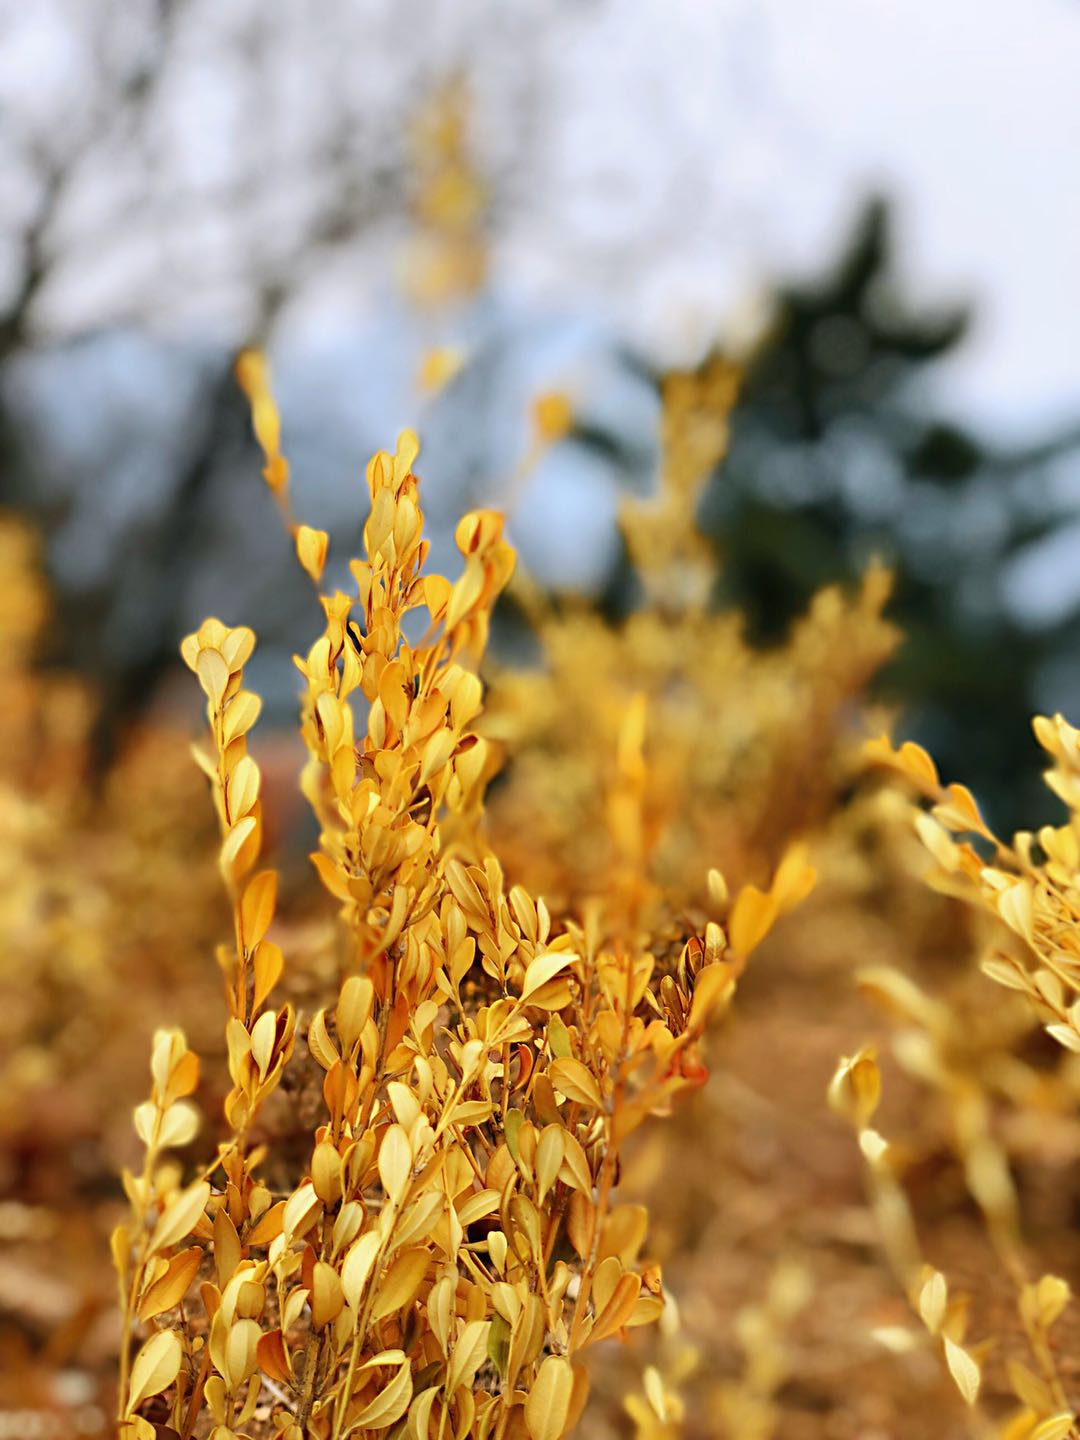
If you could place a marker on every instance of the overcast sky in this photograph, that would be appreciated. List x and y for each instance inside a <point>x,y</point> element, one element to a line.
<point>786,113</point>
<point>679,156</point>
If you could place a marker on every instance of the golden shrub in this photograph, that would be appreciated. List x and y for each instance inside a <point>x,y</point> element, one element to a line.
<point>450,1244</point>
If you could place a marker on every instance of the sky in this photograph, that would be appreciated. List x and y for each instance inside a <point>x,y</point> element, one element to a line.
<point>664,161</point>
<point>967,112</point>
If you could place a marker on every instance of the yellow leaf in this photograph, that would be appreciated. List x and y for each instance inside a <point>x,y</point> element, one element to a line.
<point>939,842</point>
<point>575,1167</point>
<point>624,1232</point>
<point>544,968</point>
<point>241,1352</point>
<point>1029,1389</point>
<point>855,1089</point>
<point>548,1406</point>
<point>713,985</point>
<point>395,1163</point>
<point>1052,1295</point>
<point>311,546</point>
<point>469,1354</point>
<point>752,917</point>
<point>1016,907</point>
<point>322,1048</point>
<point>242,788</point>
<point>213,674</point>
<point>401,1282</point>
<point>155,1367</point>
<point>181,1217</point>
<point>179,1125</point>
<point>576,1082</point>
<point>933,1298</point>
<point>353,1009</point>
<point>330,876</point>
<point>550,1150</point>
<point>1055,1427</point>
<point>357,1268</point>
<point>421,1218</point>
<point>420,1413</point>
<point>963,1370</point>
<point>327,1296</point>
<point>389,1404</point>
<point>257,907</point>
<point>240,715</point>
<point>302,1209</point>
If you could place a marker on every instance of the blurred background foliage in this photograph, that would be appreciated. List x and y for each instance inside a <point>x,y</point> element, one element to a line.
<point>174,195</point>
<point>831,463</point>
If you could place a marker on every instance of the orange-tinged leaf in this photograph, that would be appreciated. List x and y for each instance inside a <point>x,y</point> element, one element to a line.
<point>579,1397</point>
<point>581,1223</point>
<point>624,1232</point>
<point>960,811</point>
<point>235,841</point>
<point>619,1308</point>
<point>752,917</point>
<point>169,1289</point>
<point>226,1247</point>
<point>257,906</point>
<point>917,763</point>
<point>269,1226</point>
<point>267,964</point>
<point>794,879</point>
<point>330,876</point>
<point>274,1358</point>
<point>712,986</point>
